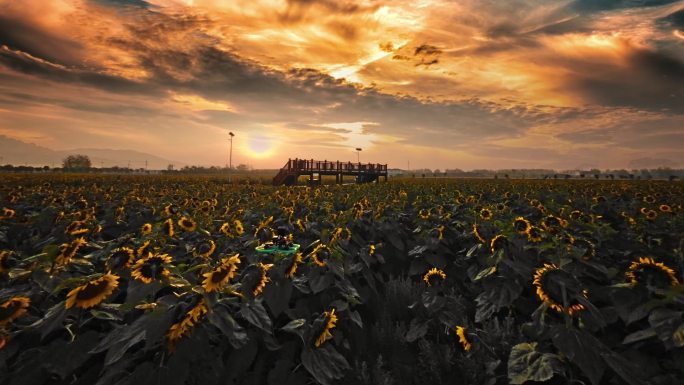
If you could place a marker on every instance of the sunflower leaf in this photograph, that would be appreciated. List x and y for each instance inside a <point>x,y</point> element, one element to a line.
<point>255,313</point>
<point>526,363</point>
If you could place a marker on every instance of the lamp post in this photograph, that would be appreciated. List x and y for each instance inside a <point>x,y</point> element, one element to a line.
<point>230,165</point>
<point>358,151</point>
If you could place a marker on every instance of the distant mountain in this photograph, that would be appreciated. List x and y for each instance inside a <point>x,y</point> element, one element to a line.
<point>17,152</point>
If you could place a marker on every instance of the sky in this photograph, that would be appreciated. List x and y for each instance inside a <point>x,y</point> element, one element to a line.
<point>438,84</point>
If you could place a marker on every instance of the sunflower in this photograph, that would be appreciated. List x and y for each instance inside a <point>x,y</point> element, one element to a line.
<point>648,271</point>
<point>146,229</point>
<point>534,234</point>
<point>151,268</point>
<point>7,213</point>
<point>551,282</point>
<point>665,209</point>
<point>171,210</point>
<point>225,229</point>
<point>551,223</point>
<point>144,249</point>
<point>300,225</point>
<point>462,338</point>
<point>319,255</point>
<point>329,321</point>
<point>12,309</point>
<point>185,326</point>
<point>292,270</point>
<point>434,276</point>
<point>371,250</point>
<point>5,261</point>
<point>521,225</point>
<point>478,235</point>
<point>93,292</point>
<point>650,214</point>
<point>498,243</point>
<point>485,214</point>
<point>68,250</point>
<point>424,214</point>
<point>501,206</point>
<point>206,248</point>
<point>440,232</point>
<point>575,214</point>
<point>649,199</point>
<point>121,257</point>
<point>76,228</point>
<point>187,224</point>
<point>255,278</point>
<point>218,277</point>
<point>264,224</point>
<point>168,227</point>
<point>239,229</point>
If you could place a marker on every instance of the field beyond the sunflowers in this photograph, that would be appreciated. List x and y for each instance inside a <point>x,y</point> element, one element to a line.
<point>153,279</point>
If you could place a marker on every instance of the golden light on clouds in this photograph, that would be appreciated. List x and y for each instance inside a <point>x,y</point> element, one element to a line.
<point>397,78</point>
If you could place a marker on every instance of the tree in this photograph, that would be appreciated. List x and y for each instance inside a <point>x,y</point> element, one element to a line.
<point>76,162</point>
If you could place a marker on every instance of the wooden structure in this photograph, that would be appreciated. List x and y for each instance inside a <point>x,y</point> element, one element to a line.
<point>315,169</point>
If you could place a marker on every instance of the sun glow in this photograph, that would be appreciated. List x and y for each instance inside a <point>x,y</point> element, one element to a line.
<point>260,146</point>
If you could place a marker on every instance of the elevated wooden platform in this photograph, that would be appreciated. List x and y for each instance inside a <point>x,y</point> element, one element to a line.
<point>294,168</point>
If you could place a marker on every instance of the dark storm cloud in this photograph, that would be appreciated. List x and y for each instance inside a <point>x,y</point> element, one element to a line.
<point>649,79</point>
<point>604,5</point>
<point>31,65</point>
<point>21,35</point>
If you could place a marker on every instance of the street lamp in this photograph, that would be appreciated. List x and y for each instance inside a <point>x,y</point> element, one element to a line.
<point>358,151</point>
<point>230,166</point>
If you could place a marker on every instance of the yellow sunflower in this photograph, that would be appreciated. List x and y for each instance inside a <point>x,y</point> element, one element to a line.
<point>76,228</point>
<point>300,225</point>
<point>93,292</point>
<point>121,257</point>
<point>485,214</point>
<point>187,224</point>
<point>239,229</point>
<point>169,228</point>
<point>184,327</point>
<point>225,229</point>
<point>5,261</point>
<point>371,250</point>
<point>264,224</point>
<point>463,339</point>
<point>440,232</point>
<point>534,234</point>
<point>521,225</point>
<point>69,250</point>
<point>146,229</point>
<point>478,234</point>
<point>206,248</point>
<point>217,278</point>
<point>292,270</point>
<point>319,255</point>
<point>330,319</point>
<point>648,271</point>
<point>498,243</point>
<point>151,268</point>
<point>424,214</point>
<point>171,210</point>
<point>144,249</point>
<point>551,281</point>
<point>255,278</point>
<point>434,276</point>
<point>665,208</point>
<point>551,224</point>
<point>12,309</point>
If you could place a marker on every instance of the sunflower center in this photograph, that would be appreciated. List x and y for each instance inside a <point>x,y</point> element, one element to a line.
<point>92,290</point>
<point>650,275</point>
<point>218,275</point>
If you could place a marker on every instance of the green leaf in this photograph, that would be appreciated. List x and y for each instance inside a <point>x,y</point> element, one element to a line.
<point>485,273</point>
<point>236,334</point>
<point>324,363</point>
<point>582,349</point>
<point>255,313</point>
<point>623,368</point>
<point>417,330</point>
<point>639,336</point>
<point>525,363</point>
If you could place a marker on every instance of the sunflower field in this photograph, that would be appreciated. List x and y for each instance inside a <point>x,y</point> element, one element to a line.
<point>157,279</point>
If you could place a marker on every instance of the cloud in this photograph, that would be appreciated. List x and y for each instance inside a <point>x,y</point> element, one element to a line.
<point>487,83</point>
